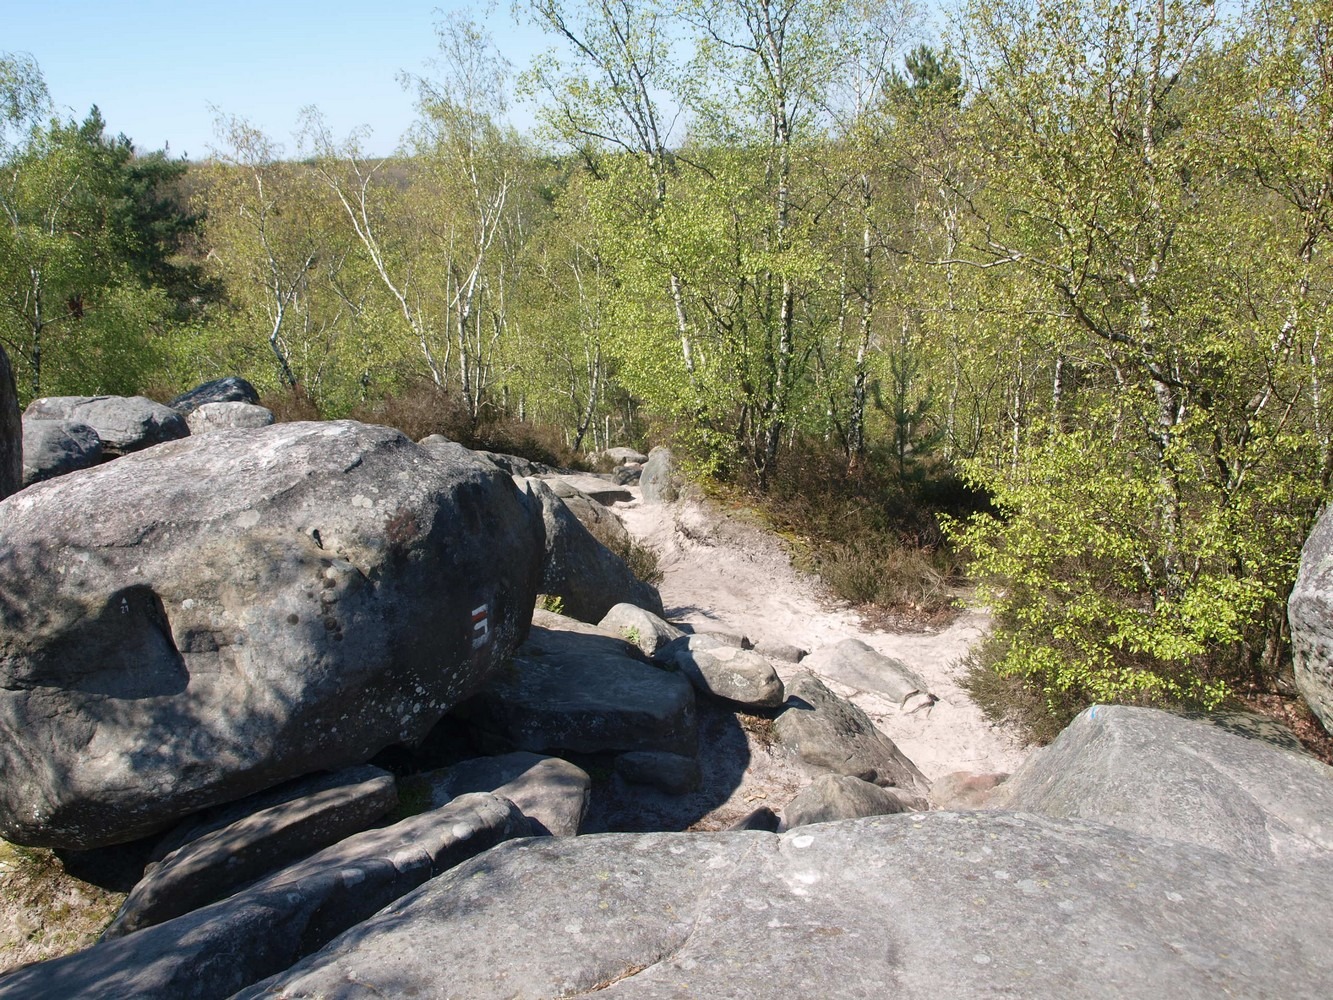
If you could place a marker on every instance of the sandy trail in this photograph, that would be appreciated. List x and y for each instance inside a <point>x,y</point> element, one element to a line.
<point>722,573</point>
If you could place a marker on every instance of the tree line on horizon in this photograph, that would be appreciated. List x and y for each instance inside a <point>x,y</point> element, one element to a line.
<point>1073,253</point>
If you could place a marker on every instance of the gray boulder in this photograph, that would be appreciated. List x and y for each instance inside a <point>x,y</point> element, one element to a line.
<point>124,424</point>
<point>968,906</point>
<point>660,480</point>
<point>215,863</point>
<point>625,456</point>
<point>965,789</point>
<point>672,773</point>
<point>645,629</point>
<point>584,696</point>
<point>857,665</point>
<point>11,431</point>
<point>587,576</point>
<point>1310,613</point>
<point>227,416</point>
<point>206,619</point>
<point>784,652</point>
<point>552,793</point>
<point>627,475</point>
<point>211,953</point>
<point>232,389</point>
<point>57,447</point>
<point>736,675</point>
<point>838,796</point>
<point>830,734</point>
<point>515,465</point>
<point>602,522</point>
<point>1158,774</point>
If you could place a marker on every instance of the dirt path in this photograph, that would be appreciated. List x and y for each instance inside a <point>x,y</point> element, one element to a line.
<point>723,573</point>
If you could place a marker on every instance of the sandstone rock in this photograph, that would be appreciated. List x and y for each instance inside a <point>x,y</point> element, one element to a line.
<point>965,790</point>
<point>227,416</point>
<point>56,447</point>
<point>1310,613</point>
<point>831,734</point>
<point>857,665</point>
<point>552,793</point>
<point>838,796</point>
<point>968,906</point>
<point>213,952</point>
<point>516,465</point>
<point>627,475</point>
<point>203,620</point>
<point>784,652</point>
<point>318,812</point>
<point>588,577</point>
<point>690,642</point>
<point>672,773</point>
<point>232,389</point>
<point>660,481</point>
<point>11,431</point>
<point>553,632</point>
<point>123,423</point>
<point>1155,773</point>
<point>586,699</point>
<point>736,675</point>
<point>604,491</point>
<point>763,818</point>
<point>643,628</point>
<point>625,456</point>
<point>602,523</point>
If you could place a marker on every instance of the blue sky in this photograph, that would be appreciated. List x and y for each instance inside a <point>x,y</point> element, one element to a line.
<point>154,67</point>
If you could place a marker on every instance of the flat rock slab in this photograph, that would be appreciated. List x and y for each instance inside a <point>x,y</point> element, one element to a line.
<point>922,906</point>
<point>123,423</point>
<point>57,447</point>
<point>213,952</point>
<point>1159,774</point>
<point>853,663</point>
<point>604,491</point>
<point>587,702</point>
<point>197,622</point>
<point>552,793</point>
<point>218,862</point>
<point>829,733</point>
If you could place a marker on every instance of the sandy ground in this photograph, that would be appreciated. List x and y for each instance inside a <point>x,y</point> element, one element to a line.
<point>722,573</point>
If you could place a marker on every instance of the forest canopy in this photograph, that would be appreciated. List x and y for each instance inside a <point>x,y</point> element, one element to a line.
<point>1072,253</point>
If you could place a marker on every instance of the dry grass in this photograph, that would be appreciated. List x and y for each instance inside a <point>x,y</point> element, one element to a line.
<point>44,912</point>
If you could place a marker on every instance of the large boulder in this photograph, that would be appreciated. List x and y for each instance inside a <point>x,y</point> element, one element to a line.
<point>1180,779</point>
<point>588,577</point>
<point>11,431</point>
<point>123,423</point>
<point>232,389</point>
<point>601,489</point>
<point>857,665</point>
<point>838,796</point>
<point>660,480</point>
<point>552,793</point>
<point>828,733</point>
<point>57,447</point>
<point>1310,613</point>
<point>967,906</point>
<point>203,620</point>
<point>227,416</point>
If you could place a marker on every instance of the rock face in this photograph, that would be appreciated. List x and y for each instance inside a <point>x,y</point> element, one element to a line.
<point>831,734</point>
<point>56,447</point>
<point>837,796</point>
<point>211,953</point>
<point>1155,773</point>
<point>959,905</point>
<point>857,665</point>
<point>587,576</point>
<point>232,389</point>
<point>11,431</point>
<point>216,863</point>
<point>227,416</point>
<point>123,423</point>
<point>1310,612</point>
<point>197,622</point>
<point>736,675</point>
<point>660,480</point>
<point>645,629</point>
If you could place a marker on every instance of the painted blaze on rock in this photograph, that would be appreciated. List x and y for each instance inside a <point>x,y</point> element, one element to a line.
<point>197,622</point>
